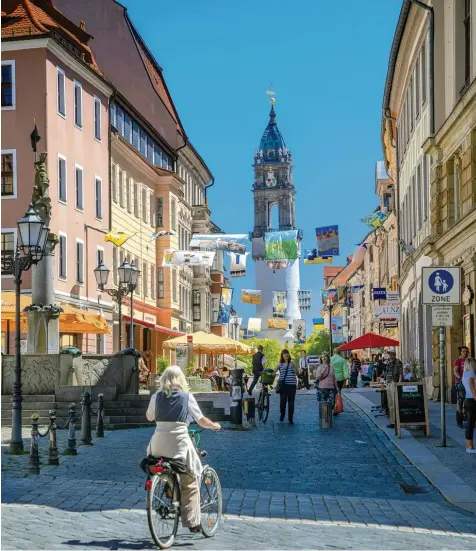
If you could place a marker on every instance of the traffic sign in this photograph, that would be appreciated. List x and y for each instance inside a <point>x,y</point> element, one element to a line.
<point>441,285</point>
<point>442,316</point>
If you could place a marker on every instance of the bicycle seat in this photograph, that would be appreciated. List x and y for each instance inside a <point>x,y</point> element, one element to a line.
<point>152,465</point>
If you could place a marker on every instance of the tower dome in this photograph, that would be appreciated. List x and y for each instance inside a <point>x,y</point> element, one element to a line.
<point>272,148</point>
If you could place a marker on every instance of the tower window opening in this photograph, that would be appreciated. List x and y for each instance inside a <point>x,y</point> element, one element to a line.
<point>273,222</point>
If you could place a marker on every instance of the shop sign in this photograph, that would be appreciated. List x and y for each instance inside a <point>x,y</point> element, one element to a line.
<point>386,313</point>
<point>393,297</point>
<point>148,318</point>
<point>380,293</point>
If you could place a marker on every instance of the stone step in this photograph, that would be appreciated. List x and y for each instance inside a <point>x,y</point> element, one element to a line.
<point>43,406</point>
<point>32,398</point>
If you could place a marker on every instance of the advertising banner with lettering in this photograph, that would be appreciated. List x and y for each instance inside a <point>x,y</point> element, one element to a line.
<point>234,243</point>
<point>327,241</point>
<point>279,304</point>
<point>251,296</point>
<point>189,258</point>
<point>380,293</point>
<point>225,305</point>
<point>281,245</point>
<point>387,313</point>
<point>237,264</point>
<point>337,330</point>
<point>254,325</point>
<point>277,323</point>
<point>304,298</point>
<point>311,256</point>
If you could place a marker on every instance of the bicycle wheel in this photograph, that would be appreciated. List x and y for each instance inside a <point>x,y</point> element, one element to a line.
<point>163,509</point>
<point>265,412</point>
<point>211,505</point>
<point>259,406</point>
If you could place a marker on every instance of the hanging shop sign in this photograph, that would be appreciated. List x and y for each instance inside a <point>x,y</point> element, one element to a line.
<point>386,313</point>
<point>192,258</point>
<point>281,245</point>
<point>251,296</point>
<point>380,293</point>
<point>327,241</point>
<point>393,297</point>
<point>234,243</point>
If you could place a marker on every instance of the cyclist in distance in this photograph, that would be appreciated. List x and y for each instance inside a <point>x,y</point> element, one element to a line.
<point>259,361</point>
<point>172,408</point>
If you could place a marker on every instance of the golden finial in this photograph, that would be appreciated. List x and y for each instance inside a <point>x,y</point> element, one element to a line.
<point>271,93</point>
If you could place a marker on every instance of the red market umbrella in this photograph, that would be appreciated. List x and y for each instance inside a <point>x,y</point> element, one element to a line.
<point>369,340</point>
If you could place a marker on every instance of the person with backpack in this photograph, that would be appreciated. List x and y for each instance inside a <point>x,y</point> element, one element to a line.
<point>259,361</point>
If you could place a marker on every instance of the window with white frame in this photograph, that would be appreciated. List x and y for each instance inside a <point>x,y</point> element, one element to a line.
<point>8,247</point>
<point>121,187</point>
<point>160,283</point>
<point>197,309</point>
<point>98,189</point>
<point>152,282</point>
<point>151,210</point>
<point>78,104</point>
<point>423,73</point>
<point>128,194</point>
<point>144,204</point>
<point>173,215</point>
<point>417,87</point>
<point>159,212</point>
<point>9,173</point>
<point>79,262</point>
<point>137,265</point>
<point>61,91</point>
<point>8,85</point>
<point>145,278</point>
<point>174,285</point>
<point>99,256</point>
<point>419,196</point>
<point>97,119</point>
<point>62,260</point>
<point>136,199</point>
<point>62,179</point>
<point>114,181</point>
<point>79,187</point>
<point>426,187</point>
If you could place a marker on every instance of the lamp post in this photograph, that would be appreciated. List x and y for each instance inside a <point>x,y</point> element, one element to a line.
<point>128,278</point>
<point>330,306</point>
<point>30,249</point>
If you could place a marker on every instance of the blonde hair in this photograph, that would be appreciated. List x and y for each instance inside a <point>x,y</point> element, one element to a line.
<point>470,365</point>
<point>172,377</point>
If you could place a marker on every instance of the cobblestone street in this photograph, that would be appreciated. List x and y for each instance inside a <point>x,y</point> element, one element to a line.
<point>284,488</point>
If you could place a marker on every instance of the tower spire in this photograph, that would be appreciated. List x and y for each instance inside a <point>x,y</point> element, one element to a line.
<point>272,113</point>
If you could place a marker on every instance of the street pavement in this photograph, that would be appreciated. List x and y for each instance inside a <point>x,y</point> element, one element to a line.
<point>285,487</point>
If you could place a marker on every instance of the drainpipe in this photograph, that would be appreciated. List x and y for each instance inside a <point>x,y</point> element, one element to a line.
<point>387,116</point>
<point>207,186</point>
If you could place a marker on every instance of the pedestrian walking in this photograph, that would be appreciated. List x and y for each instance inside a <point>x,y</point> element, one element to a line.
<point>259,361</point>
<point>287,385</point>
<point>326,383</point>
<point>469,382</point>
<point>458,365</point>
<point>394,368</point>
<point>355,367</point>
<point>341,369</point>
<point>304,367</point>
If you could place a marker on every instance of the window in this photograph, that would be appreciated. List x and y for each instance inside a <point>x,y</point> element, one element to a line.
<point>127,128</point>
<point>423,73</point>
<point>159,213</point>
<point>79,261</point>
<point>371,254</point>
<point>100,344</point>
<point>137,264</point>
<point>97,119</point>
<point>62,272</point>
<point>173,215</point>
<point>145,278</point>
<point>61,92</point>
<point>128,194</point>
<point>150,149</point>
<point>426,188</point>
<point>413,208</point>
<point>419,205</point>
<point>174,285</point>
<point>467,41</point>
<point>114,265</point>
<point>8,248</point>
<point>457,189</point>
<point>9,173</point>
<point>143,142</point>
<point>197,309</point>
<point>114,182</point>
<point>99,256</point>
<point>79,187</point>
<point>157,155</point>
<point>78,105</point>
<point>113,115</point>
<point>144,204</point>
<point>8,85</point>
<point>121,187</point>
<point>62,188</point>
<point>160,283</point>
<point>152,282</point>
<point>417,88</point>
<point>98,187</point>
<point>151,210</point>
<point>120,120</point>
<point>136,199</point>
<point>135,135</point>
<point>410,99</point>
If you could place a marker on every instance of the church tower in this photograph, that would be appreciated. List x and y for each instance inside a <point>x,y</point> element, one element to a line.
<point>274,204</point>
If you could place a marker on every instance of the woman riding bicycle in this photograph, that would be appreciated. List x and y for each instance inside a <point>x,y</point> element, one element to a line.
<point>172,407</point>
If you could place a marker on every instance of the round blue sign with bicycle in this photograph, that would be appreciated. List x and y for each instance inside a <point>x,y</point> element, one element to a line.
<point>441,282</point>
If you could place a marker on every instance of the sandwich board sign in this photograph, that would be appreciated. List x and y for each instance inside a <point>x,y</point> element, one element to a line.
<point>441,285</point>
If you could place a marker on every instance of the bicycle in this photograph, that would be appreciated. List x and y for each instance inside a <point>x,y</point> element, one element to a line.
<point>267,379</point>
<point>163,496</point>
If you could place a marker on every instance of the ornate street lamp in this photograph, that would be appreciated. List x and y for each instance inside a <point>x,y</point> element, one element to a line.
<point>32,237</point>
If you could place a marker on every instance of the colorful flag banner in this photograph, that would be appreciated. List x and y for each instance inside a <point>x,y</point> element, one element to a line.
<point>337,330</point>
<point>380,293</point>
<point>374,220</point>
<point>233,243</point>
<point>299,330</point>
<point>327,241</point>
<point>237,264</point>
<point>279,304</point>
<point>225,305</point>
<point>250,296</point>
<point>311,257</point>
<point>281,245</point>
<point>304,299</point>
<point>191,258</point>
<point>156,234</point>
<point>318,324</point>
<point>118,238</point>
<point>277,323</point>
<point>327,294</point>
<point>254,325</point>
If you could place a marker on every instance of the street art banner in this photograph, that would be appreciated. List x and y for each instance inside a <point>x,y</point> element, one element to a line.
<point>281,245</point>
<point>299,330</point>
<point>380,293</point>
<point>318,324</point>
<point>225,305</point>
<point>250,296</point>
<point>327,241</point>
<point>157,234</point>
<point>374,220</point>
<point>311,256</point>
<point>329,294</point>
<point>222,242</point>
<point>118,238</point>
<point>304,298</point>
<point>280,304</point>
<point>192,258</point>
<point>337,330</point>
<point>277,323</point>
<point>237,264</point>
<point>254,325</point>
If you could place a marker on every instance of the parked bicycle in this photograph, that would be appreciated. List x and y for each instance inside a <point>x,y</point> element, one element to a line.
<point>267,379</point>
<point>163,496</point>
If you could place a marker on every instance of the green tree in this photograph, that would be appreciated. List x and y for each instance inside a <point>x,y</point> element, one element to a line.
<point>318,343</point>
<point>271,350</point>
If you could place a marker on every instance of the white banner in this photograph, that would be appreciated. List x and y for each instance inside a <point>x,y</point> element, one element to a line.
<point>254,325</point>
<point>192,258</point>
<point>237,264</point>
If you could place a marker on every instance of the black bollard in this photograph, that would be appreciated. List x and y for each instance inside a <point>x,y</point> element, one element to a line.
<point>100,419</point>
<point>251,411</point>
<point>53,457</point>
<point>72,431</point>
<point>236,392</point>
<point>34,460</point>
<point>86,420</point>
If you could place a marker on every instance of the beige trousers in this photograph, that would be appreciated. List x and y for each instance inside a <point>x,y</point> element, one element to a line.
<point>190,502</point>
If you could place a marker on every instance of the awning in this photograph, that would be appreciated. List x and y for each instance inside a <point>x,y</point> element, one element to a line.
<point>159,328</point>
<point>369,340</point>
<point>208,343</point>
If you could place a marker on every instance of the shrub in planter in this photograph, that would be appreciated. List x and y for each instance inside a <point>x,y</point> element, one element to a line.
<point>162,364</point>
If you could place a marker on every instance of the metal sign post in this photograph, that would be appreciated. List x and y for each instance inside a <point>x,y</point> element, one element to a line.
<point>442,386</point>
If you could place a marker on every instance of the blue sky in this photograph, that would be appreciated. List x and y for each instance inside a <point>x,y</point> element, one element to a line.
<point>327,63</point>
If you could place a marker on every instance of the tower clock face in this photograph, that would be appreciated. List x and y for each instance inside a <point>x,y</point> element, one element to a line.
<point>270,179</point>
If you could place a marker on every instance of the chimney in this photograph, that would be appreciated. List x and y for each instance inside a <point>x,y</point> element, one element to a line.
<point>82,25</point>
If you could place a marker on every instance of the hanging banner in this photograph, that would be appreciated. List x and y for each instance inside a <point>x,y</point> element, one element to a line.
<point>318,324</point>
<point>299,330</point>
<point>380,293</point>
<point>374,220</point>
<point>193,258</point>
<point>254,325</point>
<point>327,294</point>
<point>221,242</point>
<point>279,304</point>
<point>393,297</point>
<point>387,313</point>
<point>237,264</point>
<point>250,296</point>
<point>277,323</point>
<point>337,330</point>
<point>225,305</point>
<point>327,241</point>
<point>304,298</point>
<point>118,238</point>
<point>281,245</point>
<point>311,257</point>
<point>356,288</point>
<point>157,234</point>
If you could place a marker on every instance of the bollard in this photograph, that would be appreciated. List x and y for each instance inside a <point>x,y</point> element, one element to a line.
<point>34,461</point>
<point>236,395</point>
<point>86,420</point>
<point>72,431</point>
<point>325,415</point>
<point>53,457</point>
<point>100,419</point>
<point>250,413</point>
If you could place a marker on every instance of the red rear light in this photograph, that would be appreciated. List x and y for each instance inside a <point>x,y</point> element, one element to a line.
<point>156,469</point>
<point>148,485</point>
